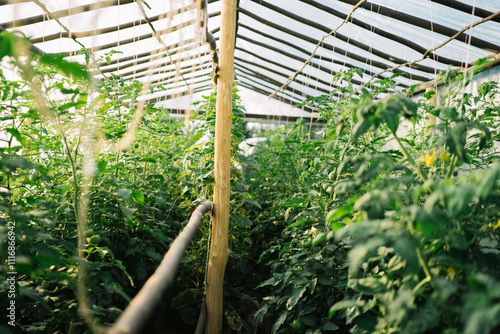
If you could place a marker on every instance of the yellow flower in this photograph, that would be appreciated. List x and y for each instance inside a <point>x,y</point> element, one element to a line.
<point>429,159</point>
<point>444,156</point>
<point>497,225</point>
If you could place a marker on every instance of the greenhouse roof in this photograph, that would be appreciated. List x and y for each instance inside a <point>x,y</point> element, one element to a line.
<point>285,49</point>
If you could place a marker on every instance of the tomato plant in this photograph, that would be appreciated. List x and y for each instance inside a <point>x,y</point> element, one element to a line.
<point>390,220</point>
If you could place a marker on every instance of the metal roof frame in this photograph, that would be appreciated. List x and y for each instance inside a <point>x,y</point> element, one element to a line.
<point>283,48</point>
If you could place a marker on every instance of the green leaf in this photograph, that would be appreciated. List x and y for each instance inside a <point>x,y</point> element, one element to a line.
<point>16,134</point>
<point>138,196</point>
<point>319,238</point>
<point>312,285</point>
<point>298,223</point>
<point>360,128</point>
<point>280,321</point>
<point>153,254</point>
<point>252,201</point>
<point>271,281</point>
<point>247,160</point>
<point>488,181</point>
<point>128,211</point>
<point>242,221</point>
<point>101,165</point>
<point>483,320</point>
<point>295,297</point>
<point>148,159</point>
<point>11,43</point>
<point>340,212</point>
<point>309,320</point>
<point>330,326</point>
<point>339,306</point>
<point>198,135</point>
<point>69,68</point>
<point>123,193</point>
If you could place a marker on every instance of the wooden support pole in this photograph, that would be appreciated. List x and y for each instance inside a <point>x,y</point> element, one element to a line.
<point>220,215</point>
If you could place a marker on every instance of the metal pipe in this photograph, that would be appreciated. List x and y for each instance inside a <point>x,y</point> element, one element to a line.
<point>200,326</point>
<point>143,304</point>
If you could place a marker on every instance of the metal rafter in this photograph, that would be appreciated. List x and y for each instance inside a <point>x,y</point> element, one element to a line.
<point>62,13</point>
<point>120,27</point>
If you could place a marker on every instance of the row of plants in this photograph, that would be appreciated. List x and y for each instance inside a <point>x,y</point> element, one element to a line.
<point>59,166</point>
<point>386,221</point>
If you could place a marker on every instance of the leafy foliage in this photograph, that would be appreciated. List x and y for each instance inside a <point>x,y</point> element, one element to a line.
<point>139,198</point>
<point>390,223</point>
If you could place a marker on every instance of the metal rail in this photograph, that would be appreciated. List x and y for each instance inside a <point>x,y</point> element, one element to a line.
<point>143,304</point>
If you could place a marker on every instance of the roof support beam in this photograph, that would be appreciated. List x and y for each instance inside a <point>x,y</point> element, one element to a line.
<point>428,25</point>
<point>133,24</point>
<point>65,12</point>
<point>493,61</point>
<point>330,47</point>
<point>145,70</point>
<point>467,8</point>
<point>279,65</point>
<point>146,60</point>
<point>260,75</point>
<point>296,95</point>
<point>251,75</point>
<point>368,27</point>
<point>343,54</point>
<point>276,97</point>
<point>180,94</point>
<point>155,52</point>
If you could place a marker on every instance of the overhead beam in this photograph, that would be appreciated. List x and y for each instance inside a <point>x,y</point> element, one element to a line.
<point>342,37</point>
<point>295,95</point>
<point>493,61</point>
<point>150,58</point>
<point>342,52</point>
<point>149,53</point>
<point>312,63</point>
<point>277,83</point>
<point>244,76</point>
<point>145,70</point>
<point>282,66</point>
<point>393,37</point>
<point>176,95</point>
<point>242,73</point>
<point>424,24</point>
<point>463,7</point>
<point>292,103</point>
<point>80,34</point>
<point>65,12</point>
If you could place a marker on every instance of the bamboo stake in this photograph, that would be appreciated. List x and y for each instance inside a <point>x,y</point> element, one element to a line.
<point>220,215</point>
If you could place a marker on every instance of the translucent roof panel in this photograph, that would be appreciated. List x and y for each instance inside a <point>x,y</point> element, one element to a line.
<point>285,49</point>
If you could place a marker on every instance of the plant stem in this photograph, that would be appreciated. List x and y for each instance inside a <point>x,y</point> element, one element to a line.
<point>421,283</point>
<point>421,259</point>
<point>452,167</point>
<point>408,157</point>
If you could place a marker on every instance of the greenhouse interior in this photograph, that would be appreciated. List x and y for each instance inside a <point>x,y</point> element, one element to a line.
<point>250,166</point>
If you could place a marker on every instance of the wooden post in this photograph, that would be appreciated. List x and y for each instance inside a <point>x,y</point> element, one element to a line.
<point>220,215</point>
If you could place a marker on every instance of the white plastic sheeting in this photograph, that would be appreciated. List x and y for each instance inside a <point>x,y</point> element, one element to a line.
<point>274,40</point>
